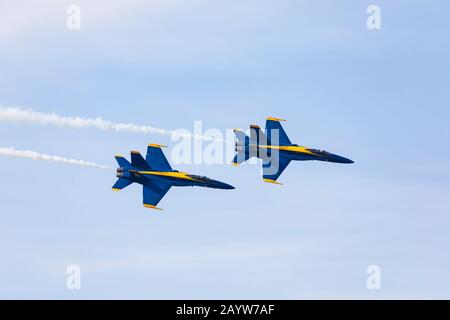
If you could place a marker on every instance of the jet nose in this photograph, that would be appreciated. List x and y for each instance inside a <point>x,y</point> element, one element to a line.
<point>222,185</point>
<point>228,186</point>
<point>346,160</point>
<point>340,159</point>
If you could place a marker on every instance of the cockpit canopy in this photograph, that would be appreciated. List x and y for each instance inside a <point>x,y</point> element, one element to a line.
<point>202,178</point>
<point>319,151</point>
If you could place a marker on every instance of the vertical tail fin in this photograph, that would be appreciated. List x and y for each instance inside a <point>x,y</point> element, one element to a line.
<point>257,136</point>
<point>259,143</point>
<point>156,158</point>
<point>138,161</point>
<point>276,133</point>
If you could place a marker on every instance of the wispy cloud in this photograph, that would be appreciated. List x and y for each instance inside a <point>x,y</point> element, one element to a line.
<point>33,155</point>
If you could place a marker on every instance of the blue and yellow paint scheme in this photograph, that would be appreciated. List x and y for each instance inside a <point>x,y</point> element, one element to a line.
<point>276,149</point>
<point>156,176</point>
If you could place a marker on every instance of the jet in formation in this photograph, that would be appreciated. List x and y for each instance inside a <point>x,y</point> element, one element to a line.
<point>156,176</point>
<point>276,150</point>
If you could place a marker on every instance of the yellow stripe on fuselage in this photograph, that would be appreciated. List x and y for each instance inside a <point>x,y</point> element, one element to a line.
<point>177,175</point>
<point>296,149</point>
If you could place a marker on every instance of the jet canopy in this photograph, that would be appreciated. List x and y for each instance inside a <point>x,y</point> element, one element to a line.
<point>203,178</point>
<point>317,151</point>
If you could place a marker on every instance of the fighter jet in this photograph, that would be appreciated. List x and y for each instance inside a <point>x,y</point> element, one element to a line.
<point>276,150</point>
<point>156,176</point>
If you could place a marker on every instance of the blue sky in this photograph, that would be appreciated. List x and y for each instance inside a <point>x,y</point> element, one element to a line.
<point>377,97</point>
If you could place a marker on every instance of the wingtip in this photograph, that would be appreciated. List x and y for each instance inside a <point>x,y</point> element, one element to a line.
<point>234,164</point>
<point>115,189</point>
<point>149,206</point>
<point>275,119</point>
<point>119,155</point>
<point>155,145</point>
<point>272,181</point>
<point>254,126</point>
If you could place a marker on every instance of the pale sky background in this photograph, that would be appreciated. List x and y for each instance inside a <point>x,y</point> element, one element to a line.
<point>380,98</point>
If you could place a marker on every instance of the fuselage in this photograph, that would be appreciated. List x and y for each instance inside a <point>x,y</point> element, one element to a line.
<point>296,153</point>
<point>176,178</point>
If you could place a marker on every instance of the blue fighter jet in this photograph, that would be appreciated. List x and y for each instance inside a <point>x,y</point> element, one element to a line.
<point>156,176</point>
<point>276,150</point>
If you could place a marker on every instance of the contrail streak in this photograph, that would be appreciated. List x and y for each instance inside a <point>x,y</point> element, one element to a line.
<point>16,114</point>
<point>11,152</point>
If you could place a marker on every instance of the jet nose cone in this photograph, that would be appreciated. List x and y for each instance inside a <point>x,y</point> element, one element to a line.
<point>228,187</point>
<point>340,159</point>
<point>345,160</point>
<point>222,185</point>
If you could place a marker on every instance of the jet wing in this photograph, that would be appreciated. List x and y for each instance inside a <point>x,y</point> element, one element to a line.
<point>156,158</point>
<point>153,192</point>
<point>279,135</point>
<point>273,168</point>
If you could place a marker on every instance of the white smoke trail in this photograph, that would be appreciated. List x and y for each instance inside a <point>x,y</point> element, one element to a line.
<point>11,152</point>
<point>15,114</point>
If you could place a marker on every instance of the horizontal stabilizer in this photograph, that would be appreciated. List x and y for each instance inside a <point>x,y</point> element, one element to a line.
<point>239,158</point>
<point>242,147</point>
<point>121,184</point>
<point>241,137</point>
<point>123,163</point>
